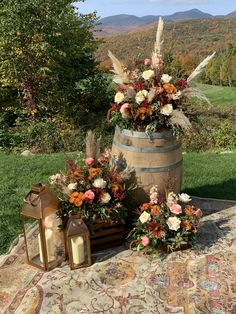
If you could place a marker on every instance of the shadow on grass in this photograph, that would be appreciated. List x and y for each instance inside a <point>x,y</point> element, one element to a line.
<point>224,190</point>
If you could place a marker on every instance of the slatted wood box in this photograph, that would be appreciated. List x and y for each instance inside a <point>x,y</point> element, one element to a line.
<point>107,235</point>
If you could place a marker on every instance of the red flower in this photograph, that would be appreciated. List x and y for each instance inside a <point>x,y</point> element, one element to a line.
<point>139,85</point>
<point>155,229</point>
<point>182,83</point>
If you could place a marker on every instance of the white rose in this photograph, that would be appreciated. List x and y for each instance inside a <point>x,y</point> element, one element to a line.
<point>185,198</point>
<point>177,95</point>
<point>72,186</point>
<point>144,217</point>
<point>119,97</point>
<point>105,198</point>
<point>166,78</point>
<point>167,109</point>
<point>99,183</point>
<point>147,75</point>
<point>173,223</point>
<point>172,197</point>
<point>140,96</point>
<point>56,178</point>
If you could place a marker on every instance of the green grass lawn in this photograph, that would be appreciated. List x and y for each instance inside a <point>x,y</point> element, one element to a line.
<point>205,174</point>
<point>219,95</point>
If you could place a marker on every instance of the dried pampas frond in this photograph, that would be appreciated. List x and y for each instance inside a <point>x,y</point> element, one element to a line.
<point>159,40</point>
<point>92,146</point>
<point>121,74</point>
<point>194,92</point>
<point>127,173</point>
<point>151,94</point>
<point>179,119</point>
<point>200,67</point>
<point>156,55</point>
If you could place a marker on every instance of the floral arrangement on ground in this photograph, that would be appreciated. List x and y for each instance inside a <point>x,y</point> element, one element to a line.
<point>148,98</point>
<point>166,224</point>
<point>95,189</point>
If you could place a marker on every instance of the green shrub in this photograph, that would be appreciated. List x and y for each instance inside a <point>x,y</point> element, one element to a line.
<point>225,136</point>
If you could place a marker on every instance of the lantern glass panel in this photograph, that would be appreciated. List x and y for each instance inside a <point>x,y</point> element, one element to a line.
<point>32,236</point>
<point>54,239</point>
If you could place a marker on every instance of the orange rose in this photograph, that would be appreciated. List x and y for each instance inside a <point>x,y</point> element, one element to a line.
<point>169,88</point>
<point>93,172</point>
<point>77,198</point>
<point>189,211</point>
<point>186,225</point>
<point>116,187</point>
<point>155,210</point>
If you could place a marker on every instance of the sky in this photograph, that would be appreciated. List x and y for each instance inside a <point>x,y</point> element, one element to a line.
<point>154,7</point>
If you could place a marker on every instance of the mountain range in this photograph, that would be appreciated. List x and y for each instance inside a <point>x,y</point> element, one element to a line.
<point>124,22</point>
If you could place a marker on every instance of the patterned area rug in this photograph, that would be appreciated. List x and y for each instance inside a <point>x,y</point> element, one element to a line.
<point>200,280</point>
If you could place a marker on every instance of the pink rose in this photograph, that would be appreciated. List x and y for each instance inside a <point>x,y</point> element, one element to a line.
<point>124,110</point>
<point>174,207</point>
<point>89,161</point>
<point>145,240</point>
<point>89,196</point>
<point>147,61</point>
<point>198,212</point>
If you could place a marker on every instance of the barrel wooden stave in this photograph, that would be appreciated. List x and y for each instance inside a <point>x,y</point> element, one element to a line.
<point>155,160</point>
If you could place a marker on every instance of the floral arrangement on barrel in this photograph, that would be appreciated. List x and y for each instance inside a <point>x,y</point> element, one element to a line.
<point>95,189</point>
<point>148,98</point>
<point>165,224</point>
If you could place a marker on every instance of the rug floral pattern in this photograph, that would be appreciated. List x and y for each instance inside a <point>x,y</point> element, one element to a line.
<point>199,280</point>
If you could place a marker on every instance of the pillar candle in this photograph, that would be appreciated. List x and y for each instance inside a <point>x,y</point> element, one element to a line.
<point>77,246</point>
<point>49,245</point>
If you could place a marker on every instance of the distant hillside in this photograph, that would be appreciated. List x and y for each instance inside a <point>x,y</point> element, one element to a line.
<point>124,22</point>
<point>231,15</point>
<point>182,38</point>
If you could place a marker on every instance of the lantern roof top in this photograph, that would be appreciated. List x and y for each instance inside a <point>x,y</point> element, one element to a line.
<point>40,202</point>
<point>76,226</point>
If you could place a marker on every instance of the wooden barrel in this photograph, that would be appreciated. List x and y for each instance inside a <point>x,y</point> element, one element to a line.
<point>156,160</point>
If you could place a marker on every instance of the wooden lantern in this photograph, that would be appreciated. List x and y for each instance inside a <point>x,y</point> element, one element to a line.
<point>78,243</point>
<point>45,247</point>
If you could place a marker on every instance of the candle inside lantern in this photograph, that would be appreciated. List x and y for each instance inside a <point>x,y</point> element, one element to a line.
<point>49,245</point>
<point>77,246</point>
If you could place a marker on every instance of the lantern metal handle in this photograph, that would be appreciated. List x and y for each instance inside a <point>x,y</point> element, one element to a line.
<point>36,188</point>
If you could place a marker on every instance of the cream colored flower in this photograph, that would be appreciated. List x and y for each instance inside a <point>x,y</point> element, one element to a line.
<point>185,198</point>
<point>173,223</point>
<point>172,197</point>
<point>176,95</point>
<point>147,75</point>
<point>119,97</point>
<point>166,78</point>
<point>141,96</point>
<point>99,183</point>
<point>72,186</point>
<point>167,110</point>
<point>144,217</point>
<point>154,189</point>
<point>105,198</point>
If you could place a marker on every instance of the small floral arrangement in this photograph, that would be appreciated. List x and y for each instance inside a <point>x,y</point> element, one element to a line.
<point>94,189</point>
<point>148,98</point>
<point>167,225</point>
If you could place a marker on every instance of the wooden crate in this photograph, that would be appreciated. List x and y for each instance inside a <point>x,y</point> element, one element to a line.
<point>107,235</point>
